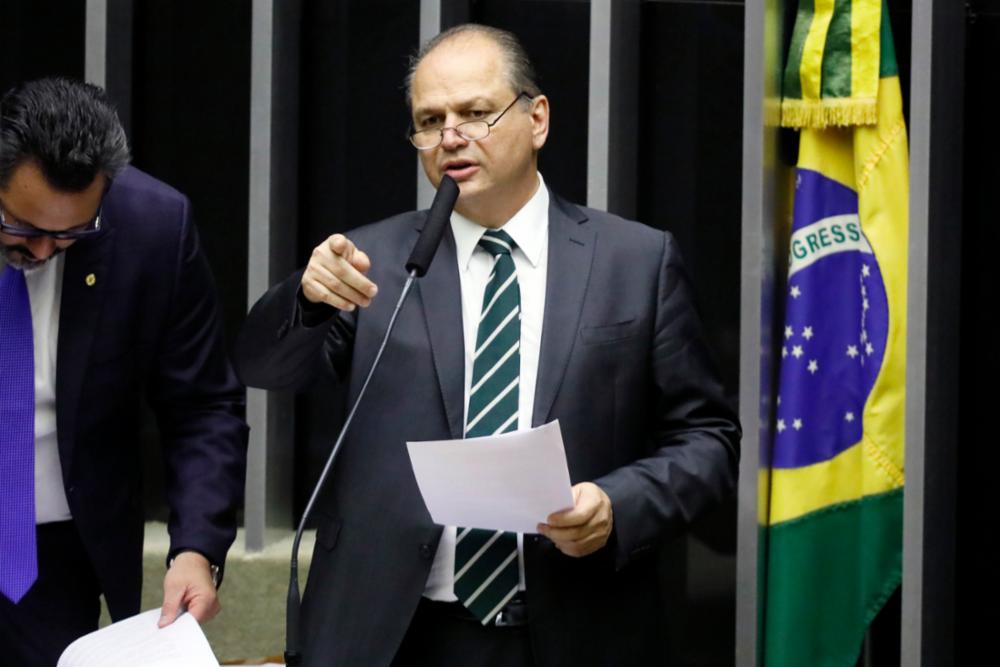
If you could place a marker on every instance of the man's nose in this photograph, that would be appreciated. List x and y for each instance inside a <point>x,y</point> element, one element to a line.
<point>451,139</point>
<point>42,247</point>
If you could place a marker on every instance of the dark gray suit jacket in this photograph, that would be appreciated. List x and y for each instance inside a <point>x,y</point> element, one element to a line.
<point>624,369</point>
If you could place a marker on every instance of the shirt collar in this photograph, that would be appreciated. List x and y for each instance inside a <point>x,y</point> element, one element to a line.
<point>528,227</point>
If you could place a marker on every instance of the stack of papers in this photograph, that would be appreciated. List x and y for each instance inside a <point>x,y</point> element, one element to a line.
<point>137,641</point>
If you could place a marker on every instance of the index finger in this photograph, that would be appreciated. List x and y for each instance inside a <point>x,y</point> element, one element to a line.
<point>349,274</point>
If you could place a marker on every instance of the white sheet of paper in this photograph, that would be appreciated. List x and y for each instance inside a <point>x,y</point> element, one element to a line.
<point>505,482</point>
<point>137,641</point>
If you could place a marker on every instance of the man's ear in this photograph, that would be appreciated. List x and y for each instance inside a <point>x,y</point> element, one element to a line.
<point>539,121</point>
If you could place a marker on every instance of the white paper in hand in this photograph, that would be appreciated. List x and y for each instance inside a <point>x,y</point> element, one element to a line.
<point>504,482</point>
<point>137,641</point>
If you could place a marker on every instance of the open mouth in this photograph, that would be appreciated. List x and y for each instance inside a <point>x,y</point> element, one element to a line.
<point>460,169</point>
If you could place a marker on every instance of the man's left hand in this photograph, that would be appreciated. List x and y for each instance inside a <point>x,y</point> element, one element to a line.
<point>188,585</point>
<point>586,527</point>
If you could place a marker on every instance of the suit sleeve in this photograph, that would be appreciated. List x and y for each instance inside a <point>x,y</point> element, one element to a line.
<point>200,408</point>
<point>695,433</point>
<point>284,345</point>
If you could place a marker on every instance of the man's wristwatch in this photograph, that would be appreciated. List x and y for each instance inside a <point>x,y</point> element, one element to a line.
<point>212,567</point>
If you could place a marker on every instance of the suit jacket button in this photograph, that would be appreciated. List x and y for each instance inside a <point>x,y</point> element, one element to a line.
<point>426,551</point>
<point>283,329</point>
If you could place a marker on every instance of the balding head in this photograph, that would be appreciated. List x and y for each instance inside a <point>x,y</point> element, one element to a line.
<point>519,71</point>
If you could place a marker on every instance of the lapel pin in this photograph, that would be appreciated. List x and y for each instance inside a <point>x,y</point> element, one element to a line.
<point>90,279</point>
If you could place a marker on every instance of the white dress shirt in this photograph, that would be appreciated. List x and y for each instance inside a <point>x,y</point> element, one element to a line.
<point>530,230</point>
<point>45,294</point>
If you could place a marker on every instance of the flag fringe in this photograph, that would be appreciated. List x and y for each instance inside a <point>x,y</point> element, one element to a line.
<point>841,112</point>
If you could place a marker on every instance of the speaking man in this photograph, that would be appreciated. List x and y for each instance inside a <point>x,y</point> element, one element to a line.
<point>105,297</point>
<point>534,309</point>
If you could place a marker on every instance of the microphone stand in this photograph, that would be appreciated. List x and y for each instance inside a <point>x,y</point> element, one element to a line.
<point>416,265</point>
<point>292,654</point>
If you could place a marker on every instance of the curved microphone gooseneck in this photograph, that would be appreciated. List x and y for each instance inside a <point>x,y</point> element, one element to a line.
<point>417,265</point>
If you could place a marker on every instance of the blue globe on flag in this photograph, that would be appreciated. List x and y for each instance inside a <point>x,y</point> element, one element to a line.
<point>836,323</point>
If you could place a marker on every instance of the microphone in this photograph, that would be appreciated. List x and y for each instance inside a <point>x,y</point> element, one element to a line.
<point>430,237</point>
<point>416,265</point>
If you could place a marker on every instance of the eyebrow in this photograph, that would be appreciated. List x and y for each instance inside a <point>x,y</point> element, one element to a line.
<point>465,104</point>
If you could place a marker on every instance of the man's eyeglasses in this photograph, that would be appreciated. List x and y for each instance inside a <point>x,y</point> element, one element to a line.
<point>16,227</point>
<point>470,130</point>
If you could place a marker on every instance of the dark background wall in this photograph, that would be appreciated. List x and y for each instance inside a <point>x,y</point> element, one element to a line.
<point>41,38</point>
<point>689,182</point>
<point>978,455</point>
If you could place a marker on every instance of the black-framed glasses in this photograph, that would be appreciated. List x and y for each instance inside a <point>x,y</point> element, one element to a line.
<point>16,227</point>
<point>470,130</point>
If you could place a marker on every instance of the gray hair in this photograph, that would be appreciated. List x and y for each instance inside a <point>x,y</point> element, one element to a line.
<point>520,72</point>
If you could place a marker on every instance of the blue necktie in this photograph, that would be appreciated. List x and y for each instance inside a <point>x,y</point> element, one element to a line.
<point>486,570</point>
<point>18,560</point>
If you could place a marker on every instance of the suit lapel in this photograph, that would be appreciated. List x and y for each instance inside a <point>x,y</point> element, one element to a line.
<point>441,295</point>
<point>571,251</point>
<point>85,279</point>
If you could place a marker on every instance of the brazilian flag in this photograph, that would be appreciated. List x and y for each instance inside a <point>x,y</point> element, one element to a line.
<point>834,517</point>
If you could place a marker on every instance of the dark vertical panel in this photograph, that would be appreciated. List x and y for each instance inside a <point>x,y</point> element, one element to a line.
<point>978,455</point>
<point>689,181</point>
<point>118,66</point>
<point>191,123</point>
<point>690,129</point>
<point>190,128</point>
<point>41,38</point>
<point>356,165</point>
<point>556,36</point>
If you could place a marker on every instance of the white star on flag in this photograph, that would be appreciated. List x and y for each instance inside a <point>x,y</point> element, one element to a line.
<point>869,349</point>
<point>797,351</point>
<point>796,292</point>
<point>866,270</point>
<point>781,426</point>
<point>807,333</point>
<point>852,351</point>
<point>797,424</point>
<point>789,332</point>
<point>813,366</point>
<point>849,417</point>
<point>784,351</point>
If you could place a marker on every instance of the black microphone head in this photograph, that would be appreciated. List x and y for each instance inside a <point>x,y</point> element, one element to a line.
<point>437,218</point>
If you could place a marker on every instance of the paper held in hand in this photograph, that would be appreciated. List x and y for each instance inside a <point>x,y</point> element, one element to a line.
<point>504,482</point>
<point>137,641</point>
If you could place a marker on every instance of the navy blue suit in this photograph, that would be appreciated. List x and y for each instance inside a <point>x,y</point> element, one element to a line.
<point>139,318</point>
<point>624,369</point>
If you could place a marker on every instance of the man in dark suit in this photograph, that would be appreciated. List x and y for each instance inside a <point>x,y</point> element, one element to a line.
<point>533,310</point>
<point>105,296</point>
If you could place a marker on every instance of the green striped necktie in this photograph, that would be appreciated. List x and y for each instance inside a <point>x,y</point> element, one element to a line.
<point>486,571</point>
